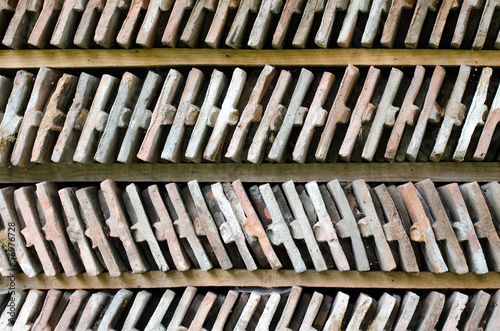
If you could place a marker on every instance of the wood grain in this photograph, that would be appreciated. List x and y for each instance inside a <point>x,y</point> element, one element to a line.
<point>262,278</point>
<point>130,58</point>
<point>211,172</point>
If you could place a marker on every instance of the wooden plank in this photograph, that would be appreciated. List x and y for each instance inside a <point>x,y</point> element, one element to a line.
<point>211,172</point>
<point>261,278</point>
<point>127,58</point>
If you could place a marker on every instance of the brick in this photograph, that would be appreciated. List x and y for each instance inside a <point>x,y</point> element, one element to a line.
<point>370,226</point>
<point>311,312</point>
<point>106,30</point>
<point>254,228</point>
<point>280,34</point>
<point>278,231</point>
<point>484,25</point>
<point>463,226</point>
<point>406,312</point>
<point>268,313</point>
<point>483,222</point>
<point>147,32</point>
<point>225,310</point>
<point>439,24</point>
<point>140,303</point>
<point>67,23</point>
<point>154,322</point>
<point>126,34</point>
<point>76,231</point>
<point>312,8</point>
<point>263,21</point>
<point>31,228</point>
<point>362,310</point>
<point>431,112</point>
<point>248,311</point>
<point>475,116</point>
<point>17,297</point>
<point>217,84</point>
<point>289,309</point>
<point>203,311</point>
<point>75,119</point>
<point>474,311</point>
<point>324,228</point>
<point>186,114</point>
<point>494,309</point>
<point>141,227</point>
<point>325,29</point>
<point>40,94</point>
<point>95,304</point>
<point>24,256</point>
<point>118,118</point>
<point>115,310</point>
<point>172,30</point>
<point>193,30</point>
<point>337,313</point>
<point>392,23</point>
<point>422,230</point>
<point>417,22</point>
<point>139,121</point>
<point>339,113</point>
<point>384,315</point>
<point>31,306</point>
<point>301,227</point>
<point>394,230</point>
<point>238,27</point>
<point>216,30</point>
<point>73,308</point>
<point>453,309</point>
<point>94,224</point>
<point>294,116</point>
<point>443,228</point>
<point>49,212</point>
<point>88,23</point>
<point>182,308</point>
<point>118,223</point>
<point>96,120</point>
<point>385,115</point>
<point>356,7</point>
<point>227,116</point>
<point>373,22</point>
<point>489,129</point>
<point>316,117</point>
<point>454,113</point>
<point>16,35</point>
<point>252,113</point>
<point>271,119</point>
<point>408,114</point>
<point>164,227</point>
<point>45,22</point>
<point>162,115</point>
<point>185,227</point>
<point>492,194</point>
<point>45,320</point>
<point>431,310</point>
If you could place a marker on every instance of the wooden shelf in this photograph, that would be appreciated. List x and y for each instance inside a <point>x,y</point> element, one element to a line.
<point>132,58</point>
<point>211,172</point>
<point>262,278</point>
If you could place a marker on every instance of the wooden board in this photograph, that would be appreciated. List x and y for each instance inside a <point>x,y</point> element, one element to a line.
<point>129,58</point>
<point>210,172</point>
<point>262,278</point>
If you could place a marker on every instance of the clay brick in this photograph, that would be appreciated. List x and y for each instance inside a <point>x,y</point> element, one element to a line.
<point>422,230</point>
<point>162,115</point>
<point>115,309</point>
<point>73,308</point>
<point>49,212</point>
<point>45,22</point>
<point>67,23</point>
<point>431,112</point>
<point>325,29</point>
<point>17,297</point>
<point>489,129</point>
<point>214,34</point>
<point>452,311</point>
<point>339,308</point>
<point>252,113</point>
<point>362,310</point>
<point>384,315</point>
<point>248,311</point>
<point>125,36</point>
<point>294,116</point>
<point>385,115</point>
<point>454,113</point>
<point>474,311</point>
<point>268,313</point>
<point>139,121</point>
<point>85,32</point>
<point>263,22</point>
<point>154,322</point>
<point>96,120</point>
<point>94,224</point>
<point>373,22</point>
<point>186,114</point>
<point>46,317</point>
<point>407,115</point>
<point>17,32</point>
<point>392,23</point>
<point>164,227</point>
<point>271,120</point>
<point>31,306</point>
<point>407,311</point>
<point>134,315</point>
<point>147,32</point>
<point>463,226</point>
<point>311,312</point>
<point>494,308</point>
<point>339,113</point>
<point>116,219</point>
<point>484,25</point>
<point>194,25</point>
<point>182,308</point>
<point>417,22</point>
<point>351,17</point>
<point>225,310</point>
<point>316,117</point>
<point>312,8</point>
<point>105,32</point>
<point>463,20</point>
<point>238,27</point>
<point>227,116</point>
<point>92,310</point>
<point>75,119</point>
<point>288,311</point>
<point>439,24</point>
<point>432,307</point>
<point>185,227</point>
<point>119,115</point>
<point>203,311</point>
<point>194,150</point>
<point>172,30</point>
<point>280,34</point>
<point>475,116</point>
<point>443,228</point>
